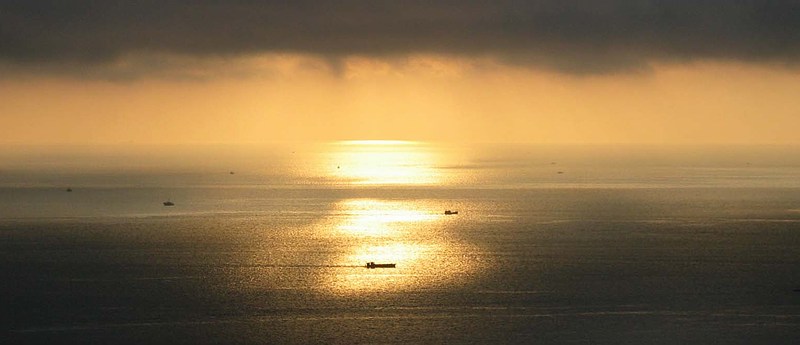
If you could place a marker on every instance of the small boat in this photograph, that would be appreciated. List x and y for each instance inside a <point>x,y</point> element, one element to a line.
<point>69,189</point>
<point>448,212</point>
<point>169,203</point>
<point>374,265</point>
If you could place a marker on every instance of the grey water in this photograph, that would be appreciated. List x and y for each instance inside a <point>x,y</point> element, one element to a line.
<point>552,245</point>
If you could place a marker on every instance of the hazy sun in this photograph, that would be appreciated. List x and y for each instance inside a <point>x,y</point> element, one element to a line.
<point>376,162</point>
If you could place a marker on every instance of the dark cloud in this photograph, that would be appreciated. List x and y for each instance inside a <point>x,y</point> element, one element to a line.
<point>574,36</point>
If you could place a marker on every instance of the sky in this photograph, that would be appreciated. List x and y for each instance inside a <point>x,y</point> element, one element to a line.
<point>545,72</point>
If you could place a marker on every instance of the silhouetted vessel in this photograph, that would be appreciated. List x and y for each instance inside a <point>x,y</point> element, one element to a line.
<point>69,189</point>
<point>374,265</point>
<point>448,212</point>
<point>169,203</point>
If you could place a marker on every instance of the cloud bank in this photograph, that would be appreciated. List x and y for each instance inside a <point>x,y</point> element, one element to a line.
<point>601,36</point>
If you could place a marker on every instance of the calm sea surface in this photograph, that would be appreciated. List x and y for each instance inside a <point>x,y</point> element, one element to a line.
<point>551,245</point>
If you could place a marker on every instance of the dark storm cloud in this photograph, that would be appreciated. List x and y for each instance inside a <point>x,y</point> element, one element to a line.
<point>573,36</point>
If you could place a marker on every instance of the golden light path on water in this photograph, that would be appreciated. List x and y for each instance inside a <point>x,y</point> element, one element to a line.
<point>409,233</point>
<point>375,218</point>
<point>329,253</point>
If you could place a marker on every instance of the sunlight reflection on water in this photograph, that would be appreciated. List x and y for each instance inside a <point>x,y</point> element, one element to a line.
<point>410,234</point>
<point>375,218</point>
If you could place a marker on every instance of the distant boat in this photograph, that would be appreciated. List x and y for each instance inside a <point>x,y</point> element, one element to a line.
<point>232,172</point>
<point>374,265</point>
<point>69,189</point>
<point>169,203</point>
<point>448,212</point>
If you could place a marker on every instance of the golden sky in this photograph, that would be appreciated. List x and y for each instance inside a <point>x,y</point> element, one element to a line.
<point>533,72</point>
<point>298,98</point>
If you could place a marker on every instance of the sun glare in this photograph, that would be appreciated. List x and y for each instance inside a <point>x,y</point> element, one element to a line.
<point>384,162</point>
<point>378,142</point>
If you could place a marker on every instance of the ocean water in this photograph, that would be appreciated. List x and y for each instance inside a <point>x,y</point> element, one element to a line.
<point>551,245</point>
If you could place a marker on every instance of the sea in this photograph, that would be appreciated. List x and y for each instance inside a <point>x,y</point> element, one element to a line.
<point>551,244</point>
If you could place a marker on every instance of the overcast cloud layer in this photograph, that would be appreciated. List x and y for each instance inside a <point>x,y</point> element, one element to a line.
<point>572,36</point>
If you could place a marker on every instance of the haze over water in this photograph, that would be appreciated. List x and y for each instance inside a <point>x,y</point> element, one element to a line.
<point>552,244</point>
